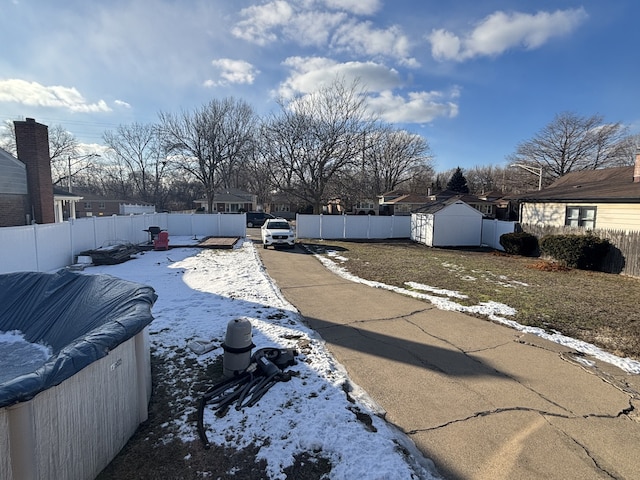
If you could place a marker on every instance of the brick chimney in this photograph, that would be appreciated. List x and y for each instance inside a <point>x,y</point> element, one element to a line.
<point>636,169</point>
<point>32,145</point>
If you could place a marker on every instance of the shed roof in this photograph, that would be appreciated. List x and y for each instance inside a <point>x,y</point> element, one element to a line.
<point>438,205</point>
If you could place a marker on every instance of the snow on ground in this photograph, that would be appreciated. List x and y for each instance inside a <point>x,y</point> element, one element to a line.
<point>199,293</point>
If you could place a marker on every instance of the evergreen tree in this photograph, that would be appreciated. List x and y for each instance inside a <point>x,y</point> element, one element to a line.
<point>458,183</point>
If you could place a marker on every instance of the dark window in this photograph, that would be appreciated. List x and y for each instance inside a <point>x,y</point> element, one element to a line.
<point>581,217</point>
<point>87,205</point>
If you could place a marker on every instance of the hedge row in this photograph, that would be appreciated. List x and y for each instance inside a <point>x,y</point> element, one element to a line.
<point>585,252</point>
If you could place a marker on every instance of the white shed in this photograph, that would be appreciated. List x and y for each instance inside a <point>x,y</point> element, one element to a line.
<point>447,223</point>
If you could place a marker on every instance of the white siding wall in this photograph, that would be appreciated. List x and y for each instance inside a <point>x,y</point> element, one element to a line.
<point>618,217</point>
<point>609,216</point>
<point>551,214</point>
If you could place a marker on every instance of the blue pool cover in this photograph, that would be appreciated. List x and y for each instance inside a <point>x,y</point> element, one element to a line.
<point>80,317</point>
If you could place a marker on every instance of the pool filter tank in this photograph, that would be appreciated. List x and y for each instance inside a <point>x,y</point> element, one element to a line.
<point>237,347</point>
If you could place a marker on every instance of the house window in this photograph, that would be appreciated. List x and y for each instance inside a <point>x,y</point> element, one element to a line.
<point>581,217</point>
<point>101,205</point>
<point>87,205</point>
<point>281,207</point>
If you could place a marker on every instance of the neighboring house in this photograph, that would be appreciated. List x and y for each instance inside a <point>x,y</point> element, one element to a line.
<point>607,199</point>
<point>403,204</point>
<point>26,190</point>
<point>486,205</point>
<point>231,200</point>
<point>447,223</point>
<point>281,206</point>
<point>64,204</point>
<point>505,207</point>
<point>14,193</point>
<point>93,205</point>
<point>366,207</point>
<point>398,203</point>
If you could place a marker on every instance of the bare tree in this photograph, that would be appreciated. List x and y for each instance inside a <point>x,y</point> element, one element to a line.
<point>394,157</point>
<point>62,145</point>
<point>139,159</point>
<point>255,177</point>
<point>484,179</point>
<point>629,146</point>
<point>8,137</point>
<point>572,143</point>
<point>421,181</point>
<point>211,141</point>
<point>314,139</point>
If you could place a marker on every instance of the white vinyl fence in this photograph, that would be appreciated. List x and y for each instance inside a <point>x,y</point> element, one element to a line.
<point>47,247</point>
<point>369,227</point>
<point>493,229</point>
<point>366,227</point>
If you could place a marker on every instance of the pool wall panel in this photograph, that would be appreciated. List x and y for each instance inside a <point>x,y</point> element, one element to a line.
<point>72,431</point>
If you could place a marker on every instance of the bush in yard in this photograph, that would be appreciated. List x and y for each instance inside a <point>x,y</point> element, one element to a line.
<point>585,252</point>
<point>519,243</point>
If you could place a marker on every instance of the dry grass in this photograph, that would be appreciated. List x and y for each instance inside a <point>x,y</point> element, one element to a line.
<point>596,307</point>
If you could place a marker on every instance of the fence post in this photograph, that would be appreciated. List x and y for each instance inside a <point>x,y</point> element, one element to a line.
<point>35,238</point>
<point>95,233</point>
<point>71,243</point>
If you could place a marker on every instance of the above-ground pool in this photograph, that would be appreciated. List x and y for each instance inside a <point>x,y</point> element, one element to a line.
<point>76,376</point>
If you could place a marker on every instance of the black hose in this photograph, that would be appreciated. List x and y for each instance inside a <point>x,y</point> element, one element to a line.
<point>213,392</point>
<point>200,422</point>
<point>246,388</point>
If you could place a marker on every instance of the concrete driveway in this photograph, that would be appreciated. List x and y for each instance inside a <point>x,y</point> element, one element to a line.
<point>481,400</point>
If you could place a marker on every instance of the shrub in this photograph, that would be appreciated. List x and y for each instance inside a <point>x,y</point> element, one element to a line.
<point>585,252</point>
<point>519,243</point>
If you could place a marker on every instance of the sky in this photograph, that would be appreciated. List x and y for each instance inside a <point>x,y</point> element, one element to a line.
<point>201,290</point>
<point>473,78</point>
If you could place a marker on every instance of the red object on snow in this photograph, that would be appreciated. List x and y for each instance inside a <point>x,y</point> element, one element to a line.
<point>161,242</point>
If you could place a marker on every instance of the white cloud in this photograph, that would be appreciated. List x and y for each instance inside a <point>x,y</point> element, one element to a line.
<point>233,72</point>
<point>311,73</point>
<point>329,23</point>
<point>260,20</point>
<point>501,31</point>
<point>122,103</point>
<point>34,94</point>
<point>418,107</point>
<point>362,38</point>
<point>358,7</point>
<point>277,20</point>
<point>314,27</point>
